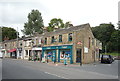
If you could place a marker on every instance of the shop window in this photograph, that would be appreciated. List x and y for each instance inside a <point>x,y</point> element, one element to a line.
<point>45,40</point>
<point>70,35</point>
<point>60,38</point>
<point>52,40</point>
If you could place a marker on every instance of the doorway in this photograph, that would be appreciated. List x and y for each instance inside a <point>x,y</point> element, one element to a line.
<point>78,55</point>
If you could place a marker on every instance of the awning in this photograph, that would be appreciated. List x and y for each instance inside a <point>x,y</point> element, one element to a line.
<point>12,50</point>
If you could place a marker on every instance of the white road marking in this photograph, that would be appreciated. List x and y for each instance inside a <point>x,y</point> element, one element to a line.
<point>55,75</point>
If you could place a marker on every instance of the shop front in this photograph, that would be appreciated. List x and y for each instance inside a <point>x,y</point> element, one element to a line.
<point>36,54</point>
<point>57,53</point>
<point>50,55</point>
<point>13,53</point>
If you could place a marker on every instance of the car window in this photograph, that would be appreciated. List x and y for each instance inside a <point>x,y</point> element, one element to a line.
<point>105,56</point>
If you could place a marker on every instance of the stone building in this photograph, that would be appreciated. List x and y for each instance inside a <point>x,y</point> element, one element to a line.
<point>75,43</point>
<point>27,47</point>
<point>37,47</point>
<point>10,48</point>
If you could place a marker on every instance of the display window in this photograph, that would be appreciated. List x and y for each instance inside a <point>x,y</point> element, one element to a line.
<point>49,55</point>
<point>65,55</point>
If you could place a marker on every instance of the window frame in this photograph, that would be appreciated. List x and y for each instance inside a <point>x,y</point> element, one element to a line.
<point>45,41</point>
<point>69,39</point>
<point>52,39</point>
<point>60,38</point>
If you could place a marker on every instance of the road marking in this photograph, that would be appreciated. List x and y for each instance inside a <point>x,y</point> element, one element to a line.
<point>55,75</point>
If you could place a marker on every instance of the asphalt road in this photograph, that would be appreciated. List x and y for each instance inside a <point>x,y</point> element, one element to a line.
<point>22,69</point>
<point>107,69</point>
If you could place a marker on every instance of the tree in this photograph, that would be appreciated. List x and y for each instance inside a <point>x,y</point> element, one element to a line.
<point>34,24</point>
<point>118,25</point>
<point>103,33</point>
<point>8,33</point>
<point>68,24</point>
<point>114,44</point>
<point>55,23</point>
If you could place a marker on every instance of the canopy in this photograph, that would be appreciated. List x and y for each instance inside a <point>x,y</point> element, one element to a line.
<point>12,50</point>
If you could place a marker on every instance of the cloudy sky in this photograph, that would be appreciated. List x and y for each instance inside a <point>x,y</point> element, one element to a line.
<point>13,13</point>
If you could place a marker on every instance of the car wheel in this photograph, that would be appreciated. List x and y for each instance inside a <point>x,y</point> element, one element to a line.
<point>101,61</point>
<point>110,62</point>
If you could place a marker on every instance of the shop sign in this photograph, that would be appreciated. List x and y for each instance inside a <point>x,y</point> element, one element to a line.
<point>85,50</point>
<point>64,46</point>
<point>48,48</point>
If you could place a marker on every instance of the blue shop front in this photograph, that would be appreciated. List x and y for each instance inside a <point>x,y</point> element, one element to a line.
<point>57,53</point>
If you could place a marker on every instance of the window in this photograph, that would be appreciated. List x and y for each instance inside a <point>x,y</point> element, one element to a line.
<point>20,44</point>
<point>52,40</point>
<point>5,45</point>
<point>92,41</point>
<point>89,43</point>
<point>45,40</point>
<point>70,37</point>
<point>60,38</point>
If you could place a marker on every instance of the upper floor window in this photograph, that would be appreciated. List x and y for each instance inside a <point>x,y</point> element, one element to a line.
<point>89,43</point>
<point>70,37</point>
<point>52,40</point>
<point>92,41</point>
<point>60,38</point>
<point>45,40</point>
<point>20,44</point>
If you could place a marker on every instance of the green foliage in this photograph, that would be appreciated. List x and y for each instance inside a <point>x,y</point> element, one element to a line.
<point>8,33</point>
<point>105,33</point>
<point>49,29</point>
<point>34,24</point>
<point>67,24</point>
<point>113,54</point>
<point>114,44</point>
<point>57,23</point>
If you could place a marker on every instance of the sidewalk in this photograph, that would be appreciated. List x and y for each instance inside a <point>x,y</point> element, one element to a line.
<point>62,64</point>
<point>72,65</point>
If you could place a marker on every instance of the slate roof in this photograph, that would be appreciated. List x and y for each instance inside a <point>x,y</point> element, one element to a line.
<point>66,30</point>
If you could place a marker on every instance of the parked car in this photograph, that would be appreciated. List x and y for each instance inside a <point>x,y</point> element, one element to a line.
<point>107,59</point>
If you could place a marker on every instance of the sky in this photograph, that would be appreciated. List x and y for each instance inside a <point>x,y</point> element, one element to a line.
<point>13,13</point>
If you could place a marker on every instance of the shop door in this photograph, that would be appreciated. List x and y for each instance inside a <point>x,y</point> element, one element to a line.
<point>78,55</point>
<point>54,56</point>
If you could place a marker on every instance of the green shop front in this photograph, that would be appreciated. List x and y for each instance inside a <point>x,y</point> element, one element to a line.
<point>57,53</point>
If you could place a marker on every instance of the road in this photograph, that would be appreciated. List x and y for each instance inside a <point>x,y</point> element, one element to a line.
<point>22,69</point>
